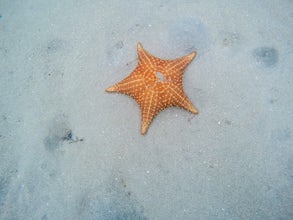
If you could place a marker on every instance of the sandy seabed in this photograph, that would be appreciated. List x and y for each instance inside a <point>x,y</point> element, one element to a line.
<point>69,150</point>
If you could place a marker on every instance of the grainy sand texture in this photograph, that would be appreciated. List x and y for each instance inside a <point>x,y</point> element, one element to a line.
<point>70,150</point>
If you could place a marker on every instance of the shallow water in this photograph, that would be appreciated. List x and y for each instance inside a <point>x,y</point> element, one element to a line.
<point>69,150</point>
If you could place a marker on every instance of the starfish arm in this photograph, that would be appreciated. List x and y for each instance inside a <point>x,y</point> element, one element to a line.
<point>131,85</point>
<point>111,89</point>
<point>150,107</point>
<point>176,67</point>
<point>145,58</point>
<point>179,99</point>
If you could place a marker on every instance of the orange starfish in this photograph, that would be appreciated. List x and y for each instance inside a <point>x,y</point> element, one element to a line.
<point>156,84</point>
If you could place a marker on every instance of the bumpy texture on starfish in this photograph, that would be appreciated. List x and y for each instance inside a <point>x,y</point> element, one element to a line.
<point>156,84</point>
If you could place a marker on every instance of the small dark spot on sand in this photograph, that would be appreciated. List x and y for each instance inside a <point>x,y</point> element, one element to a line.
<point>272,101</point>
<point>44,217</point>
<point>59,132</point>
<point>266,56</point>
<point>115,52</point>
<point>230,38</point>
<point>116,203</point>
<point>53,174</point>
<point>5,178</point>
<point>188,34</point>
<point>119,44</point>
<point>67,136</point>
<point>274,94</point>
<point>51,142</point>
<point>281,135</point>
<point>56,45</point>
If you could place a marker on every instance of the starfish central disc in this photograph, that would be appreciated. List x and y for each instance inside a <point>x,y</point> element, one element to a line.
<point>160,76</point>
<point>156,84</point>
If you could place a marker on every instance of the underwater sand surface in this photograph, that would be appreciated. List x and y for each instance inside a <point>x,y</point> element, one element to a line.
<point>69,150</point>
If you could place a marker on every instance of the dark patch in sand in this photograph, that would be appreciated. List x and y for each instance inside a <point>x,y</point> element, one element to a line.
<point>115,52</point>
<point>274,95</point>
<point>281,135</point>
<point>59,132</point>
<point>5,178</point>
<point>55,54</point>
<point>189,34</point>
<point>56,45</point>
<point>117,202</point>
<point>266,56</point>
<point>230,39</point>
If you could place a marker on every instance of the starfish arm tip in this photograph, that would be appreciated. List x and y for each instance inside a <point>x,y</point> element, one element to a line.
<point>111,89</point>
<point>139,46</point>
<point>192,55</point>
<point>144,129</point>
<point>193,110</point>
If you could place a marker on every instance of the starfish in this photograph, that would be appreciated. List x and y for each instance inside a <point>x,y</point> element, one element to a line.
<point>156,84</point>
